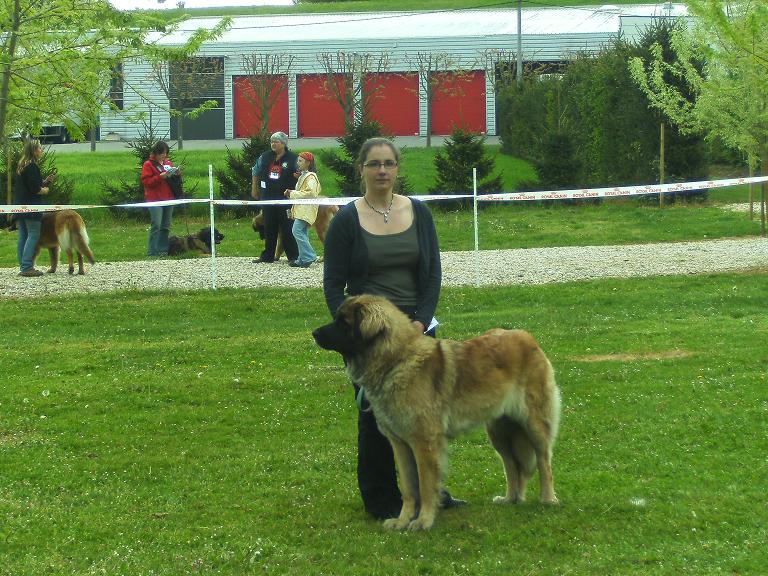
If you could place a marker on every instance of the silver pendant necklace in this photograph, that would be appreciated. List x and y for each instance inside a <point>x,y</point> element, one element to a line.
<point>384,213</point>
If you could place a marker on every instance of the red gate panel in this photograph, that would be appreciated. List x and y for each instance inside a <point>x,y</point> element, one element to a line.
<point>320,113</point>
<point>458,102</point>
<point>247,114</point>
<point>395,102</point>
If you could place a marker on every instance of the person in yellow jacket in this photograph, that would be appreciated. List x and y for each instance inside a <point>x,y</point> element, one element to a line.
<point>304,215</point>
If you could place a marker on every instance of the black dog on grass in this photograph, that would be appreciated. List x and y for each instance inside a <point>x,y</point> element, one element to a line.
<point>200,241</point>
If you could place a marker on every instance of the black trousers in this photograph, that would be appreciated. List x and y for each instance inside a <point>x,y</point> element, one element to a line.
<point>276,222</point>
<point>376,472</point>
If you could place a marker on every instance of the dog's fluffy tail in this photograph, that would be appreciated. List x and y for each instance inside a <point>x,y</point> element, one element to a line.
<point>73,235</point>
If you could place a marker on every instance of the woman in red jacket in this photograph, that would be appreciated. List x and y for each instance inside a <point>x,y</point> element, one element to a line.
<point>154,173</point>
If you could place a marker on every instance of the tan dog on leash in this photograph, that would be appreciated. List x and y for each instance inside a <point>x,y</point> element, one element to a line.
<point>64,230</point>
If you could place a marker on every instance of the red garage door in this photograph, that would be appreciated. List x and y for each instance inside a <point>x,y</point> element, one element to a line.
<point>320,113</point>
<point>458,102</point>
<point>247,106</point>
<point>395,102</point>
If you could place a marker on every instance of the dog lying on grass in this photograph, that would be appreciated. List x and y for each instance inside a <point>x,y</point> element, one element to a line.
<point>425,391</point>
<point>64,230</point>
<point>200,241</point>
<point>323,220</point>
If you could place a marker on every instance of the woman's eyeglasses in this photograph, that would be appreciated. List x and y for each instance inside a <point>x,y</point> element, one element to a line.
<point>377,165</point>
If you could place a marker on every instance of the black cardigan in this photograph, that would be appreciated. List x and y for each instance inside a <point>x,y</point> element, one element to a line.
<point>26,190</point>
<point>346,260</point>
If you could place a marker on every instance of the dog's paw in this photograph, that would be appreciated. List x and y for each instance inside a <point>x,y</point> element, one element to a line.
<point>505,500</point>
<point>396,524</point>
<point>551,501</point>
<point>421,523</point>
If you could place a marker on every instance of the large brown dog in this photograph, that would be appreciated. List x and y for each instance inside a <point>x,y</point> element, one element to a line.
<point>323,220</point>
<point>425,391</point>
<point>64,230</point>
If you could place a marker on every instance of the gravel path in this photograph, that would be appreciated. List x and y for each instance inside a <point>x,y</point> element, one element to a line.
<point>492,267</point>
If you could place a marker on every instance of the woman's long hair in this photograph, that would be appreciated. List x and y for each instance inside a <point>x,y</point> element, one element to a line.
<point>28,154</point>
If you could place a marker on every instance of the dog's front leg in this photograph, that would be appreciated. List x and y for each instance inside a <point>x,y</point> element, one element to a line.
<point>409,485</point>
<point>428,461</point>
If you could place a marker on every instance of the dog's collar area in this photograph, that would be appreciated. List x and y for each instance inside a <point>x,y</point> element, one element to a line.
<point>362,404</point>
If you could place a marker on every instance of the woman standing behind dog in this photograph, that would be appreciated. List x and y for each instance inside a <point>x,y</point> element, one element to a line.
<point>154,174</point>
<point>384,244</point>
<point>29,188</point>
<point>304,215</point>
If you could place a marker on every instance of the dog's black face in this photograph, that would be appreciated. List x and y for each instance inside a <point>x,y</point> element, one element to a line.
<point>205,236</point>
<point>336,336</point>
<point>344,334</point>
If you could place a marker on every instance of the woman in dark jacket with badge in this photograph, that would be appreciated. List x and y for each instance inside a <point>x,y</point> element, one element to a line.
<point>29,189</point>
<point>384,244</point>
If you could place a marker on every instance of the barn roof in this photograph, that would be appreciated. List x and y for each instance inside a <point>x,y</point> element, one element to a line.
<point>363,26</point>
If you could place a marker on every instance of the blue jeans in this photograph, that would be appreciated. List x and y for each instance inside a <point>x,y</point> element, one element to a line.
<point>29,234</point>
<point>159,230</point>
<point>307,254</point>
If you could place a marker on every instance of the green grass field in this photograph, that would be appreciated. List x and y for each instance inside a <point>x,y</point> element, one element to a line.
<point>205,433</point>
<point>91,170</point>
<point>149,433</point>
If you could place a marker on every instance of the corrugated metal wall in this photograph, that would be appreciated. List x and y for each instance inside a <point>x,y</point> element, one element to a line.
<point>139,87</point>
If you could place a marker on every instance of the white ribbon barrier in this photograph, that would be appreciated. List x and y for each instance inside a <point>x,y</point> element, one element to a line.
<point>618,191</point>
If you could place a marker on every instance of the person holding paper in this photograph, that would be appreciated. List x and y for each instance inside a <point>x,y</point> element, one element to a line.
<point>385,244</point>
<point>29,188</point>
<point>154,173</point>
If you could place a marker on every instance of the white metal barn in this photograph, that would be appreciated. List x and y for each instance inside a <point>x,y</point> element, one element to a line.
<point>306,109</point>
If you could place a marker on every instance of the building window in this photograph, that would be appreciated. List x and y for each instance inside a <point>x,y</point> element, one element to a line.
<point>116,87</point>
<point>195,81</point>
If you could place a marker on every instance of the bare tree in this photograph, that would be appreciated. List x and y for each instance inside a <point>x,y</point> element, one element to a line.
<point>346,80</point>
<point>499,65</point>
<point>431,67</point>
<point>192,86</point>
<point>267,75</point>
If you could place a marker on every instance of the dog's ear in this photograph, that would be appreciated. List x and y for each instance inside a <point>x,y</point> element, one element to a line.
<point>370,321</point>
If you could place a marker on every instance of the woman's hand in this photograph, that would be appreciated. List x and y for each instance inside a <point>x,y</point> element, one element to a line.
<point>287,192</point>
<point>44,190</point>
<point>420,326</point>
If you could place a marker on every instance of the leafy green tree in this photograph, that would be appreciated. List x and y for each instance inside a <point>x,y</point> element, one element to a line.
<point>461,153</point>
<point>524,112</point>
<point>57,58</point>
<point>595,114</point>
<point>558,161</point>
<point>730,89</point>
